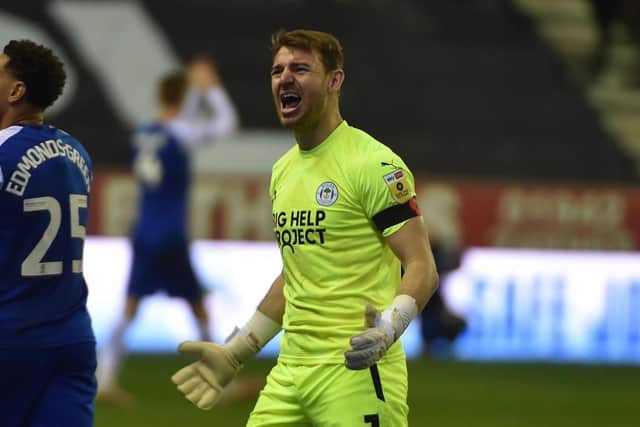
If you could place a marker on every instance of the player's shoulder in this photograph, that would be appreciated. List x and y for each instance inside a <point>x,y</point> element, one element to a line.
<point>362,142</point>
<point>34,134</point>
<point>369,151</point>
<point>9,133</point>
<point>56,133</point>
<point>358,136</point>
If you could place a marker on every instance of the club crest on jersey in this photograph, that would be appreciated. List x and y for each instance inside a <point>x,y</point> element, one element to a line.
<point>327,193</point>
<point>398,185</point>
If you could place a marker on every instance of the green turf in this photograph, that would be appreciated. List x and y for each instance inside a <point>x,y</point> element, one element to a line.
<point>441,394</point>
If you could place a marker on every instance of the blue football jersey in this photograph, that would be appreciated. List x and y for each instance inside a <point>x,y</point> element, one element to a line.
<point>161,166</point>
<point>45,176</point>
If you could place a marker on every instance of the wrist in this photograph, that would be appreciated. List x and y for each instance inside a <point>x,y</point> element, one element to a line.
<point>400,313</point>
<point>247,341</point>
<point>262,327</point>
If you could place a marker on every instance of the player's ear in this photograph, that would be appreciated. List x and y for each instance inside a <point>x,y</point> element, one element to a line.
<point>336,77</point>
<point>17,92</point>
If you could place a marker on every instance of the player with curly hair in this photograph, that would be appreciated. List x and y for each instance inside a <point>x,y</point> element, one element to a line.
<point>47,346</point>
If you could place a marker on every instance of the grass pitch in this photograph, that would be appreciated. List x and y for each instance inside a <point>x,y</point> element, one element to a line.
<point>441,394</point>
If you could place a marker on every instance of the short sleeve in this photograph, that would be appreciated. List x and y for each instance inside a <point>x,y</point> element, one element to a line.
<point>387,189</point>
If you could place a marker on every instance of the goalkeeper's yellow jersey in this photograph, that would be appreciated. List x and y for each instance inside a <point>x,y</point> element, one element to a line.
<point>332,207</point>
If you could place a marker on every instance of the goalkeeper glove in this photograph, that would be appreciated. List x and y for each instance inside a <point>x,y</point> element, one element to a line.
<point>382,330</point>
<point>202,382</point>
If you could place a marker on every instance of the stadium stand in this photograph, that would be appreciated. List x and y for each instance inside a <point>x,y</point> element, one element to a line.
<point>435,79</point>
<point>459,88</point>
<point>570,28</point>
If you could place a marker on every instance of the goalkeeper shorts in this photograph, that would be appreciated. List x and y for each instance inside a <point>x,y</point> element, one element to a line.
<point>333,396</point>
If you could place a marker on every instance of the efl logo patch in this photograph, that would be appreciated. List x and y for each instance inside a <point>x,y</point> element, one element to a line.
<point>327,193</point>
<point>398,185</point>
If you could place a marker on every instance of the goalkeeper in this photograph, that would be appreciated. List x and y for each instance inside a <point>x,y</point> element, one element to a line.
<point>346,220</point>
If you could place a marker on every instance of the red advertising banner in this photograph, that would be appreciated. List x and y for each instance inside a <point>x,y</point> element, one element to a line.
<point>470,213</point>
<point>540,216</point>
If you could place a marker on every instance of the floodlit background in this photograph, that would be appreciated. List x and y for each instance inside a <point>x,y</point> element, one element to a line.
<point>521,122</point>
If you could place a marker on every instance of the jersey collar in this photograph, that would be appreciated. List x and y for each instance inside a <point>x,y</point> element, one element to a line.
<point>7,133</point>
<point>333,136</point>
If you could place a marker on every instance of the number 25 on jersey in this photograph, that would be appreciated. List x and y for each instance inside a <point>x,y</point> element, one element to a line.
<point>32,264</point>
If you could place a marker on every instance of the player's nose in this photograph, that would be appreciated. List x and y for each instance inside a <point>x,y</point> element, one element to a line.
<point>286,76</point>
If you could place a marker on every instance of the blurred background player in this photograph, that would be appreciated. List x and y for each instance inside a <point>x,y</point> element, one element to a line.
<point>160,240</point>
<point>47,346</point>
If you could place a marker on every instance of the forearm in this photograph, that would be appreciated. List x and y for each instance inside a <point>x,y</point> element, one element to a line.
<point>420,281</point>
<point>189,110</point>
<point>225,117</point>
<point>411,246</point>
<point>272,305</point>
<point>191,130</point>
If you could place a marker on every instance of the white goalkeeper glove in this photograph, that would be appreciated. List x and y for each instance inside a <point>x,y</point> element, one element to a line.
<point>202,382</point>
<point>382,330</point>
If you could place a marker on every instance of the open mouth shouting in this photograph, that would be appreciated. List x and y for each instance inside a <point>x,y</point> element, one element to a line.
<point>289,102</point>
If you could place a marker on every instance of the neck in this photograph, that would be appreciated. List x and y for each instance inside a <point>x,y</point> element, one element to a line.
<point>311,137</point>
<point>24,117</point>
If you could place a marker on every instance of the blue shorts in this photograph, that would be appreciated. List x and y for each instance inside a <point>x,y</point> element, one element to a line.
<point>166,268</point>
<point>48,387</point>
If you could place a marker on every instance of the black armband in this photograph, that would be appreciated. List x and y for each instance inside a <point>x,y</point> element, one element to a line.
<point>396,214</point>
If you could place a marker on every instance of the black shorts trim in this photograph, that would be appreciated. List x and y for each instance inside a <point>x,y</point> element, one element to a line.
<point>372,419</point>
<point>396,214</point>
<point>377,385</point>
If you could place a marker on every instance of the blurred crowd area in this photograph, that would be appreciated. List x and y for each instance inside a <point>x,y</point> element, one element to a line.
<point>509,89</point>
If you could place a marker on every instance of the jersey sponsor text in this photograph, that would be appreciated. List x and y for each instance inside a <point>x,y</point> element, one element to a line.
<point>299,227</point>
